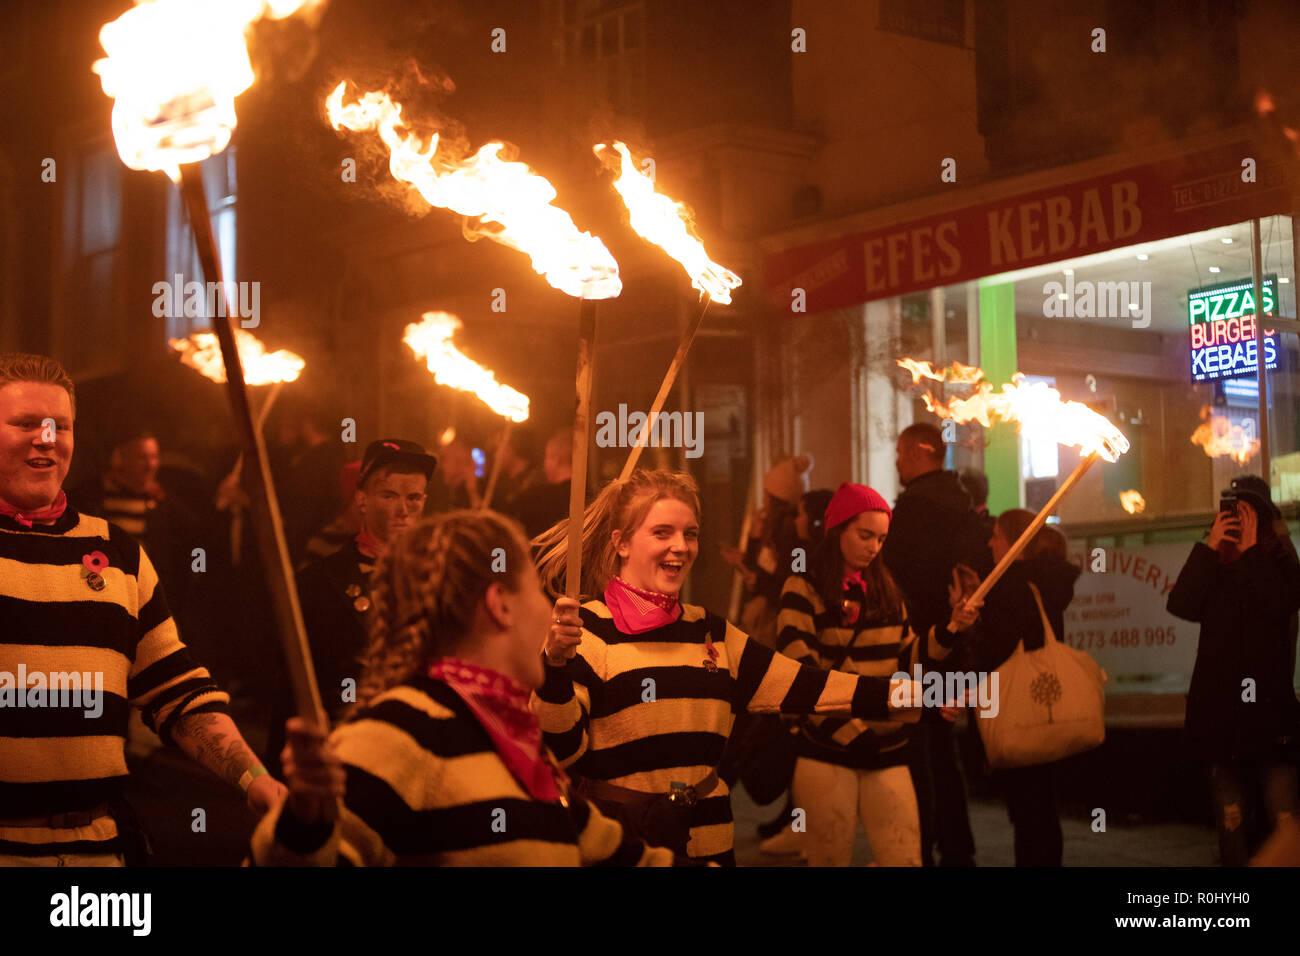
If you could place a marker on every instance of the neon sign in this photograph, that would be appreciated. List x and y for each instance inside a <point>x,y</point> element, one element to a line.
<point>1224,334</point>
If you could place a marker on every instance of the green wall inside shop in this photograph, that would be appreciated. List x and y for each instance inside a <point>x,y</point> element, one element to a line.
<point>998,359</point>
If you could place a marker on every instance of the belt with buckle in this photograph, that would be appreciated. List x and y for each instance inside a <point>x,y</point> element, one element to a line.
<point>60,821</point>
<point>679,795</point>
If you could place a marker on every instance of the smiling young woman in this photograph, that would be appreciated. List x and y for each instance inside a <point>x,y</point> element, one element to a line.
<point>641,691</point>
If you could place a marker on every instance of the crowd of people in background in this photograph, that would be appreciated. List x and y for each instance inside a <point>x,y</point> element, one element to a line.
<point>480,719</point>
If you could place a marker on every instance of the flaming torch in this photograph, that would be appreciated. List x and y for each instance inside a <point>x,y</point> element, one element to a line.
<point>1037,409</point>
<point>202,352</point>
<point>668,225</point>
<point>173,69</point>
<point>512,205</point>
<point>430,339</point>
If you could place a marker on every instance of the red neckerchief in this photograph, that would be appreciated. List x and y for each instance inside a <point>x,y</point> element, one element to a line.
<point>851,609</point>
<point>501,706</point>
<point>636,611</point>
<point>367,543</point>
<point>25,518</point>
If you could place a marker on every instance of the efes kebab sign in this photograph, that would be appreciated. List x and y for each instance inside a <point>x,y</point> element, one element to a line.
<point>1140,204</point>
<point>1224,329</point>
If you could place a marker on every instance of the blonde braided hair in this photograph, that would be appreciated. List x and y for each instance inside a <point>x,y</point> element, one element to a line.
<point>427,588</point>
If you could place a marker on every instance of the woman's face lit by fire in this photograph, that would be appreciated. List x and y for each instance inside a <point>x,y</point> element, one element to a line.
<point>862,539</point>
<point>658,555</point>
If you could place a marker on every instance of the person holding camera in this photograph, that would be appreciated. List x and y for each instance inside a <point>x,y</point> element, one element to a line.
<point>1243,587</point>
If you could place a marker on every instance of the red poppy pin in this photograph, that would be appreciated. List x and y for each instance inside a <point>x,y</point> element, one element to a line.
<point>92,565</point>
<point>711,661</point>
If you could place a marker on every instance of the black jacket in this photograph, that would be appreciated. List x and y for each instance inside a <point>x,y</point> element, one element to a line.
<point>933,529</point>
<point>1010,613</point>
<point>1244,610</point>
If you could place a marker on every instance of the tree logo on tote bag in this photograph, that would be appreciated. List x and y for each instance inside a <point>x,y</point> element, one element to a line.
<point>1045,690</point>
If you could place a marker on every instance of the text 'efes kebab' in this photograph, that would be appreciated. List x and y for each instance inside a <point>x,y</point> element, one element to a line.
<point>173,69</point>
<point>430,339</point>
<point>1037,410</point>
<point>510,204</point>
<point>667,224</point>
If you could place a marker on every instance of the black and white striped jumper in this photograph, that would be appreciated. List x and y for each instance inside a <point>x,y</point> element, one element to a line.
<point>879,646</point>
<point>641,711</point>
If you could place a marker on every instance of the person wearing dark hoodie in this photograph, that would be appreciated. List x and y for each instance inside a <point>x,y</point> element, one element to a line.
<point>935,528</point>
<point>1011,615</point>
<point>1243,587</point>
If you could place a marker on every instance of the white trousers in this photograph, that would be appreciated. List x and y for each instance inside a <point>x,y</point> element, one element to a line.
<point>834,798</point>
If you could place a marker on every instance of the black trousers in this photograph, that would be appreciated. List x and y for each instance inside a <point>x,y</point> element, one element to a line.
<point>940,796</point>
<point>1031,805</point>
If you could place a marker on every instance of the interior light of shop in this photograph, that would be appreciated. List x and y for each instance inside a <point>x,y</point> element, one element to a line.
<point>1215,269</point>
<point>1226,240</point>
<point>1176,244</point>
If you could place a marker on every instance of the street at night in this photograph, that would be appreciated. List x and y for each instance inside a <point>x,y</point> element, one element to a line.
<point>777,435</point>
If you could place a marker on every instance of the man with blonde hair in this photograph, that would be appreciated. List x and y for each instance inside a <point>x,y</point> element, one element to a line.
<point>85,637</point>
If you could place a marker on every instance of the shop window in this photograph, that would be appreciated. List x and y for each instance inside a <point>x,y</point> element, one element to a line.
<point>1114,331</point>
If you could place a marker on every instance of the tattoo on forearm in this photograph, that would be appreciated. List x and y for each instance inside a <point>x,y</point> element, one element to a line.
<point>225,755</point>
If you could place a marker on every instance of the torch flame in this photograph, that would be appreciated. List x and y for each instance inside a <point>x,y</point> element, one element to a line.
<point>956,373</point>
<point>1220,438</point>
<point>430,339</point>
<point>202,352</point>
<point>174,68</point>
<point>511,197</point>
<point>1036,408</point>
<point>1133,501</point>
<point>668,225</point>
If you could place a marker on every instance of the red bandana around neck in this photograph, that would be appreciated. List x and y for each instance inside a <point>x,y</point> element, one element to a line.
<point>636,610</point>
<point>25,518</point>
<point>367,543</point>
<point>501,706</point>
<point>851,608</point>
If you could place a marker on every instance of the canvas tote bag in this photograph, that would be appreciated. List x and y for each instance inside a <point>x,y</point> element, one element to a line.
<point>1051,704</point>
